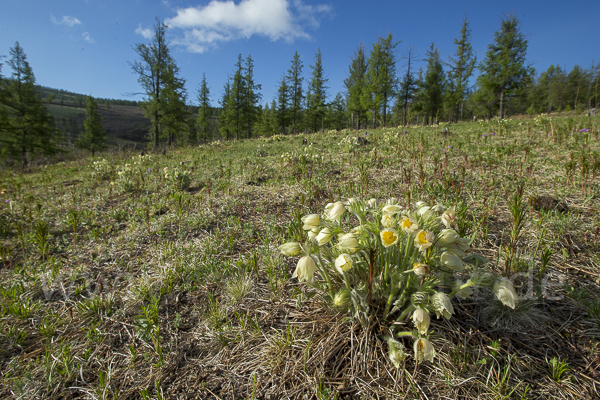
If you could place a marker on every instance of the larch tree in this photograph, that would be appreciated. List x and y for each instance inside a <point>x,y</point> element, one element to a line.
<point>461,68</point>
<point>283,104</point>
<point>294,78</point>
<point>357,99</point>
<point>94,137</point>
<point>317,91</point>
<point>29,127</point>
<point>204,109</point>
<point>433,85</point>
<point>408,86</point>
<point>157,74</point>
<point>382,75</point>
<point>504,70</point>
<point>251,97</point>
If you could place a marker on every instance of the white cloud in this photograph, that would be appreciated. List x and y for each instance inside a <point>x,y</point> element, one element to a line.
<point>65,20</point>
<point>220,21</point>
<point>87,37</point>
<point>145,32</point>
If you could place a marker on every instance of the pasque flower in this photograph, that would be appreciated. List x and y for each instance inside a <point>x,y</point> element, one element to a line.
<point>290,249</point>
<point>389,237</point>
<point>343,263</point>
<point>348,242</point>
<point>505,292</point>
<point>420,269</point>
<point>424,350</point>
<point>409,225</point>
<point>424,240</point>
<point>452,261</point>
<point>336,211</point>
<point>311,221</point>
<point>305,270</point>
<point>421,320</point>
<point>324,236</point>
<point>442,305</point>
<point>396,353</point>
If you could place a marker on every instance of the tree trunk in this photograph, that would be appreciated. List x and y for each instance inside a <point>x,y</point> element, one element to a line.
<point>502,103</point>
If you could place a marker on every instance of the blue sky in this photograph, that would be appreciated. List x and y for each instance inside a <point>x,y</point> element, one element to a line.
<point>86,46</point>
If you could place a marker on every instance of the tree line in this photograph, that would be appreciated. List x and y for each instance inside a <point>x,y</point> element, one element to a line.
<point>377,94</point>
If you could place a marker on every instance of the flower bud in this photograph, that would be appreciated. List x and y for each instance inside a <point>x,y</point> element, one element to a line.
<point>324,236</point>
<point>424,350</point>
<point>505,292</point>
<point>305,269</point>
<point>342,298</point>
<point>310,221</point>
<point>442,305</point>
<point>421,320</point>
<point>343,263</point>
<point>290,249</point>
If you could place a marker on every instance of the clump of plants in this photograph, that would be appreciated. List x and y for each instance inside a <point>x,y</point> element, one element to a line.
<point>179,179</point>
<point>103,170</point>
<point>383,264</point>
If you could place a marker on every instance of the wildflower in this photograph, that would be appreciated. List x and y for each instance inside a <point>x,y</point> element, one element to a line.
<point>425,212</point>
<point>312,234</point>
<point>421,320</point>
<point>438,208</point>
<point>389,237</point>
<point>442,305</point>
<point>396,353</point>
<point>421,269</point>
<point>305,269</point>
<point>310,221</point>
<point>391,201</point>
<point>463,290</point>
<point>448,217</point>
<point>387,220</point>
<point>408,225</point>
<point>424,350</point>
<point>424,240</point>
<point>342,298</point>
<point>372,203</point>
<point>290,249</point>
<point>343,263</point>
<point>348,242</point>
<point>447,236</point>
<point>336,211</point>
<point>505,292</point>
<point>324,236</point>
<point>391,209</point>
<point>452,261</point>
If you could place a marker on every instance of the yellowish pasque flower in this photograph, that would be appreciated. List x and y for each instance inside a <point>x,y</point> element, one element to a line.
<point>421,320</point>
<point>336,211</point>
<point>348,242</point>
<point>505,292</point>
<point>372,203</point>
<point>424,350</point>
<point>438,208</point>
<point>342,298</point>
<point>464,291</point>
<point>311,221</point>
<point>451,261</point>
<point>396,353</point>
<point>391,209</point>
<point>312,234</point>
<point>424,240</point>
<point>448,217</point>
<point>343,263</point>
<point>409,225</point>
<point>442,305</point>
<point>389,237</point>
<point>420,269</point>
<point>290,249</point>
<point>324,236</point>
<point>305,270</point>
<point>387,220</point>
<point>425,212</point>
<point>447,236</point>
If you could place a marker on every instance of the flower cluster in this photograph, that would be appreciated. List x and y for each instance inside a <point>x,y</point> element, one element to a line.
<point>178,179</point>
<point>103,170</point>
<point>394,265</point>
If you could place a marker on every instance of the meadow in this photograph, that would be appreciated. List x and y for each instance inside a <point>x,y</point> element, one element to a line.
<point>158,276</point>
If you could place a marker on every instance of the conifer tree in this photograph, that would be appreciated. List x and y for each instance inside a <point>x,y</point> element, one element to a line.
<point>317,91</point>
<point>358,97</point>
<point>158,76</point>
<point>204,110</point>
<point>251,97</point>
<point>461,69</point>
<point>283,104</point>
<point>382,75</point>
<point>29,126</point>
<point>504,71</point>
<point>433,85</point>
<point>294,78</point>
<point>227,112</point>
<point>408,86</point>
<point>93,138</point>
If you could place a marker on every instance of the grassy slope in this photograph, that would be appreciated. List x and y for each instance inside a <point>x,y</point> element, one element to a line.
<point>144,289</point>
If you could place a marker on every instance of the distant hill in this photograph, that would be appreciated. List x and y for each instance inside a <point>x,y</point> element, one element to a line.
<point>123,120</point>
